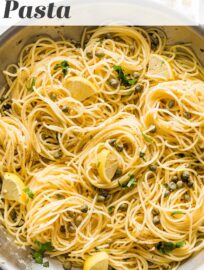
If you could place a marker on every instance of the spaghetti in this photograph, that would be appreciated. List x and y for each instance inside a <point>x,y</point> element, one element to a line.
<point>151,214</point>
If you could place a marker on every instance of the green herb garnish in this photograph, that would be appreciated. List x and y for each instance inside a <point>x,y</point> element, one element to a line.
<point>64,66</point>
<point>39,254</point>
<point>38,257</point>
<point>29,192</point>
<point>124,78</point>
<point>177,213</point>
<point>31,87</point>
<point>130,183</point>
<point>111,209</point>
<point>118,146</point>
<point>167,247</point>
<point>46,264</point>
<point>100,40</point>
<point>147,138</point>
<point>60,196</point>
<point>142,155</point>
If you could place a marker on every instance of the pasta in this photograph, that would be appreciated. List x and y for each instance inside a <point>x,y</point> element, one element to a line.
<point>143,128</point>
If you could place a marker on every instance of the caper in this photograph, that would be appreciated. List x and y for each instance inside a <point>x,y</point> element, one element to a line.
<point>58,154</point>
<point>89,54</point>
<point>139,88</point>
<point>153,129</point>
<point>155,212</point>
<point>136,75</point>
<point>113,82</point>
<point>67,266</point>
<point>71,229</point>
<point>172,186</point>
<point>156,220</point>
<point>59,196</point>
<point>187,115</point>
<point>141,154</point>
<point>71,214</point>
<point>119,147</point>
<point>153,167</point>
<point>100,54</point>
<point>108,36</point>
<point>112,142</point>
<point>181,155</point>
<point>123,207</point>
<point>171,104</point>
<point>166,193</point>
<point>6,107</point>
<point>190,183</point>
<point>187,197</point>
<point>101,198</point>
<point>84,208</point>
<point>185,176</point>
<point>179,184</point>
<point>65,109</point>
<point>118,172</point>
<point>53,96</point>
<point>62,229</point>
<point>78,220</point>
<point>104,193</point>
<point>174,179</point>
<point>118,39</point>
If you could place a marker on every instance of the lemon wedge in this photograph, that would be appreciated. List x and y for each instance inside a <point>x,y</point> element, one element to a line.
<point>98,261</point>
<point>107,166</point>
<point>159,68</point>
<point>80,88</point>
<point>12,188</point>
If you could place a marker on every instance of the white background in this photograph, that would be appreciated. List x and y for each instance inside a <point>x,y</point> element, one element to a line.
<point>188,8</point>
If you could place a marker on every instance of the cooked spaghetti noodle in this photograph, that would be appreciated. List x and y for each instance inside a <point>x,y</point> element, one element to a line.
<point>151,214</point>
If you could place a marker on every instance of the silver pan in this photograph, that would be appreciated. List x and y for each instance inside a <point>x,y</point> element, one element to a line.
<point>11,43</point>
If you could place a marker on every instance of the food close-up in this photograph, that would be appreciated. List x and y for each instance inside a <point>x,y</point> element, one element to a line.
<point>102,150</point>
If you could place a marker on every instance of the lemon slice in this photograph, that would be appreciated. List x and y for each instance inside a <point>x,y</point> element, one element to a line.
<point>108,164</point>
<point>12,188</point>
<point>98,261</point>
<point>159,68</point>
<point>80,88</point>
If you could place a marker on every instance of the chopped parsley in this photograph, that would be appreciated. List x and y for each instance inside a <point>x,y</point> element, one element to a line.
<point>123,77</point>
<point>31,87</point>
<point>118,145</point>
<point>177,213</point>
<point>46,264</point>
<point>142,155</point>
<point>29,192</point>
<point>147,138</point>
<point>64,66</point>
<point>39,254</point>
<point>130,183</point>
<point>167,247</point>
<point>111,209</point>
<point>100,40</point>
